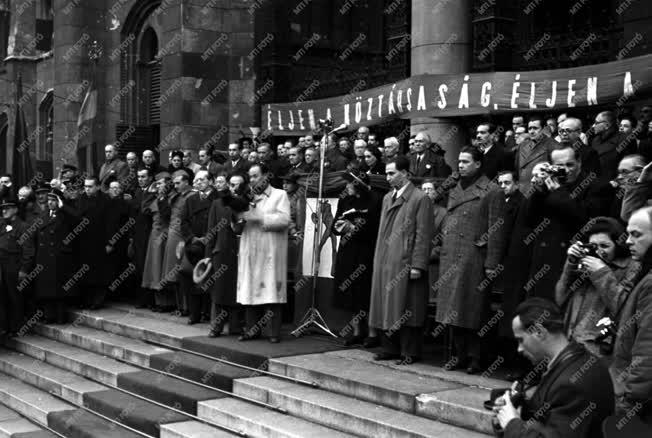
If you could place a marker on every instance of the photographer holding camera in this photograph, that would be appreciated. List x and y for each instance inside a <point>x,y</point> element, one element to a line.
<point>591,286</point>
<point>564,199</point>
<point>575,392</point>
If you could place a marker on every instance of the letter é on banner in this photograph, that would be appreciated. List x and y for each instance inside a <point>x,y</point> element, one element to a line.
<point>628,89</point>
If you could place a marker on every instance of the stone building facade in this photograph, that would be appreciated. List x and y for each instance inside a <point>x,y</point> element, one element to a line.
<point>183,73</point>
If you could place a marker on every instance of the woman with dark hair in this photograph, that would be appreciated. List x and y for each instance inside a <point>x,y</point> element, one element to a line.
<point>374,160</point>
<point>356,222</point>
<point>595,282</point>
<point>176,163</point>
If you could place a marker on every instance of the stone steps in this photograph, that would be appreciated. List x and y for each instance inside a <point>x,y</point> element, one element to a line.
<point>455,399</point>
<point>258,422</point>
<point>345,413</point>
<point>13,425</point>
<point>356,396</point>
<point>47,410</point>
<point>79,391</point>
<point>154,386</point>
<point>205,371</point>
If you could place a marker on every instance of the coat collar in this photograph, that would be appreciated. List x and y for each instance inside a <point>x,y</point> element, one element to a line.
<point>530,151</point>
<point>409,188</point>
<point>459,196</point>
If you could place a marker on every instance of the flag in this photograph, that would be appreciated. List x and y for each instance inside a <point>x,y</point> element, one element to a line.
<point>88,110</point>
<point>22,166</point>
<point>85,120</point>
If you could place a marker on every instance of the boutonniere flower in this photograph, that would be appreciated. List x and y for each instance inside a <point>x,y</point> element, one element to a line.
<point>9,228</point>
<point>428,166</point>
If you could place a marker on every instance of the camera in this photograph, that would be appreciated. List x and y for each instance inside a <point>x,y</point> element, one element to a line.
<point>558,172</point>
<point>517,397</point>
<point>590,249</point>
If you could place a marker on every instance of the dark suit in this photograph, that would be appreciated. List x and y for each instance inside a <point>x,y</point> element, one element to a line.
<point>16,255</point>
<point>115,168</point>
<point>432,165</point>
<point>241,166</point>
<point>572,399</point>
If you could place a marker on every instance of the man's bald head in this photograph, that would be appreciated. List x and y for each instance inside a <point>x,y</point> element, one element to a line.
<point>639,229</point>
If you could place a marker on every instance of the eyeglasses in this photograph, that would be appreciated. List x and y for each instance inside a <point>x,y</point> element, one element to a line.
<point>567,131</point>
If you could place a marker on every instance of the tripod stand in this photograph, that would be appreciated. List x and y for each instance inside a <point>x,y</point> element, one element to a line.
<point>312,316</point>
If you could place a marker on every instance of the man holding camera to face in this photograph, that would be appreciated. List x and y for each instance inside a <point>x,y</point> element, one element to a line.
<point>575,392</point>
<point>564,198</point>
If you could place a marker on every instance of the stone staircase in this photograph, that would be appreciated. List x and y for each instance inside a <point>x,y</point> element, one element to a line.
<point>98,377</point>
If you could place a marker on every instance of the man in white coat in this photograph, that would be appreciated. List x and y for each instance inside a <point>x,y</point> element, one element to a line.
<point>262,262</point>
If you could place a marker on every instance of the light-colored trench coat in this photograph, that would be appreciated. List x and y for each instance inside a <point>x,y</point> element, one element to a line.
<point>262,261</point>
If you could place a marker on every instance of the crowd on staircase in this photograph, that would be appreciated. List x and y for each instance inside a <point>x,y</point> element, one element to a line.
<point>540,239</point>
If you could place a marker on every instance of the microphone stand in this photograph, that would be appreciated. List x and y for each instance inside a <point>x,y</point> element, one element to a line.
<point>312,316</point>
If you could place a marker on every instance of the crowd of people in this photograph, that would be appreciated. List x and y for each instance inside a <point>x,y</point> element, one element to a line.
<point>544,216</point>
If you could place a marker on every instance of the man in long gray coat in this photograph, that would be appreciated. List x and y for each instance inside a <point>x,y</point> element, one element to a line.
<point>399,290</point>
<point>470,257</point>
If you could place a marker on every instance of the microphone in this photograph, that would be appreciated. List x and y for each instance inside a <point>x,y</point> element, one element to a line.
<point>342,127</point>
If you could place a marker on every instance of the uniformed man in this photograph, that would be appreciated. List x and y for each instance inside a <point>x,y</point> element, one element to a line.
<point>16,263</point>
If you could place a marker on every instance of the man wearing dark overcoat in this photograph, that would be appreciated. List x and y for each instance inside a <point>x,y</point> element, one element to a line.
<point>222,249</point>
<point>93,237</point>
<point>54,254</point>
<point>399,291</point>
<point>194,225</point>
<point>471,252</point>
<point>16,263</point>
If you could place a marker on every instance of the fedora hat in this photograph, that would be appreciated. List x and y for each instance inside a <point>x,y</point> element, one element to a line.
<point>202,269</point>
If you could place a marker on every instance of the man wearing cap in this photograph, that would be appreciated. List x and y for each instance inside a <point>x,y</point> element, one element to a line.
<point>54,253</point>
<point>194,225</point>
<point>113,166</point>
<point>16,262</point>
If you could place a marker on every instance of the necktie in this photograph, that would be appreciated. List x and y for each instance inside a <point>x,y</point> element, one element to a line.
<point>51,213</point>
<point>394,196</point>
<point>418,161</point>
